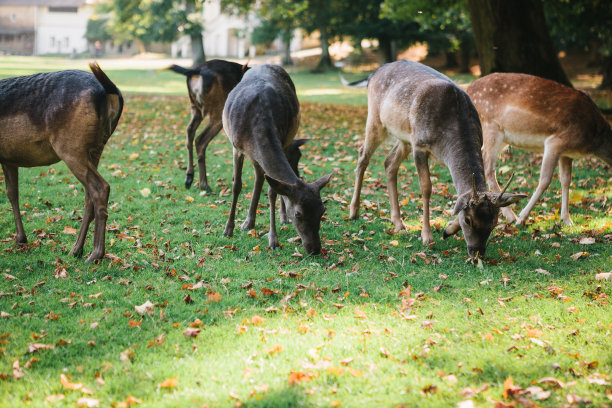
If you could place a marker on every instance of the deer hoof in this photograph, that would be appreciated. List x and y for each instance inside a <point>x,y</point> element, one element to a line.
<point>206,188</point>
<point>247,225</point>
<point>188,181</point>
<point>93,257</point>
<point>76,252</point>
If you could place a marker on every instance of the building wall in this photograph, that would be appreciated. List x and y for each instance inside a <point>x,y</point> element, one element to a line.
<point>17,30</point>
<point>62,32</point>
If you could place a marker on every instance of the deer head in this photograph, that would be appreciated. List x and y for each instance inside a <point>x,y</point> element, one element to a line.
<point>477,214</point>
<point>304,208</point>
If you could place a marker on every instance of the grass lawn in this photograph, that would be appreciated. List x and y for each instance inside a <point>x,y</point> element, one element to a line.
<point>377,320</point>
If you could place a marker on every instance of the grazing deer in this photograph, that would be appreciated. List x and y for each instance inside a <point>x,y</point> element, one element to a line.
<point>430,115</point>
<point>261,117</point>
<point>65,115</point>
<point>540,115</point>
<point>208,85</point>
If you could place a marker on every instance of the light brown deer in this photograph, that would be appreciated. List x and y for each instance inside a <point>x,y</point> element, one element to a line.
<point>539,115</point>
<point>261,118</point>
<point>208,85</point>
<point>430,115</point>
<point>65,115</point>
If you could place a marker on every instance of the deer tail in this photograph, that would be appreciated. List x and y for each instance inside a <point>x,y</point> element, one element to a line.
<point>180,70</point>
<point>115,105</point>
<point>361,83</point>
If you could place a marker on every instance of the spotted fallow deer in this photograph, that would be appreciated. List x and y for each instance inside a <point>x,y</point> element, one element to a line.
<point>540,115</point>
<point>65,115</point>
<point>430,115</point>
<point>208,85</point>
<point>261,118</point>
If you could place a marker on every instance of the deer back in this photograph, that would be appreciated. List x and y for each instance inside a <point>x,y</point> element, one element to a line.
<point>529,109</point>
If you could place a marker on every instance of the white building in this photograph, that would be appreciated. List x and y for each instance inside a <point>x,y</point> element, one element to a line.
<point>227,35</point>
<point>37,27</point>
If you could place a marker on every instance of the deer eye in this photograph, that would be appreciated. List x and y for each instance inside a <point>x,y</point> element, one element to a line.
<point>298,214</point>
<point>468,221</point>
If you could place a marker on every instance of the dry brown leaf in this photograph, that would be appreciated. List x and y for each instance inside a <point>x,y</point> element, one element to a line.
<point>146,307</point>
<point>169,383</point>
<point>191,332</point>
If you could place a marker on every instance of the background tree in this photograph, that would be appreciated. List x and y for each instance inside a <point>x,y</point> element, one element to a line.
<point>444,24</point>
<point>361,19</point>
<point>148,21</point>
<point>278,18</point>
<point>584,24</point>
<point>511,36</point>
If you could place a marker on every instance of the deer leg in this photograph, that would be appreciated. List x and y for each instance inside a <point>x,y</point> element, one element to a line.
<point>272,237</point>
<point>88,216</point>
<point>196,119</point>
<point>249,223</point>
<point>236,187</point>
<point>202,141</point>
<point>420,160</point>
<point>565,174</point>
<point>282,213</point>
<point>492,145</point>
<point>392,164</point>
<point>549,162</point>
<point>373,139</point>
<point>11,178</point>
<point>452,228</point>
<point>97,191</point>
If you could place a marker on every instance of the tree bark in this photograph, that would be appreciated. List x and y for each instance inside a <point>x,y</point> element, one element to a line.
<point>606,70</point>
<point>465,51</point>
<point>197,49</point>
<point>451,59</point>
<point>387,49</point>
<point>511,36</point>
<point>325,62</point>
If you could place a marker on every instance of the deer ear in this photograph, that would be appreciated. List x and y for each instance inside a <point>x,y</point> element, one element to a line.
<point>462,202</point>
<point>299,142</point>
<point>507,199</point>
<point>281,187</point>
<point>320,183</point>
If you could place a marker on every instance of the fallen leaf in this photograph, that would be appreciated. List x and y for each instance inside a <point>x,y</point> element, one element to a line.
<point>146,307</point>
<point>579,255</point>
<point>88,402</point>
<point>169,383</point>
<point>603,276</point>
<point>296,377</point>
<point>17,372</point>
<point>587,241</point>
<point>190,332</point>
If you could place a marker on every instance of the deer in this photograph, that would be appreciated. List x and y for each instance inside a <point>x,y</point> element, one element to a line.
<point>208,85</point>
<point>65,115</point>
<point>543,116</point>
<point>429,115</point>
<point>261,118</point>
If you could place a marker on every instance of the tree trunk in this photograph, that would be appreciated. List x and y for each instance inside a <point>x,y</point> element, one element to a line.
<point>287,61</point>
<point>606,70</point>
<point>511,36</point>
<point>465,51</point>
<point>325,63</point>
<point>387,49</point>
<point>451,59</point>
<point>287,36</point>
<point>197,49</point>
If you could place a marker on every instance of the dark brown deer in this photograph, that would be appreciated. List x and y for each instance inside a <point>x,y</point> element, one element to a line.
<point>261,118</point>
<point>430,115</point>
<point>540,115</point>
<point>65,115</point>
<point>208,85</point>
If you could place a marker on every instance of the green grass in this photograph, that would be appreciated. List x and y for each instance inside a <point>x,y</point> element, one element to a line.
<point>343,327</point>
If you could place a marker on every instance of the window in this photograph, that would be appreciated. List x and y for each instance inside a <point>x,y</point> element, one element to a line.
<point>63,9</point>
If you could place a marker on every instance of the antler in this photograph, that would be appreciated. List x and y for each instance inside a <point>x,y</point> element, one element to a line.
<point>504,189</point>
